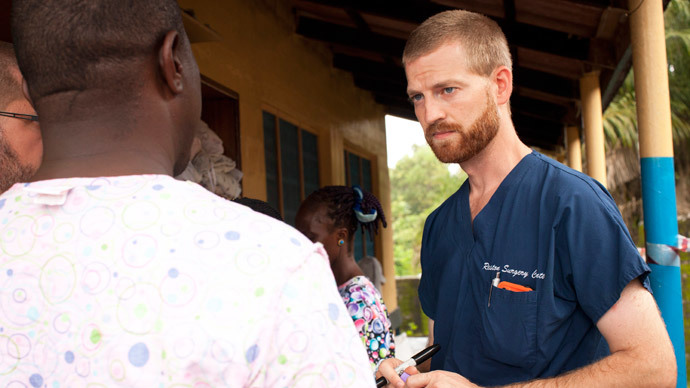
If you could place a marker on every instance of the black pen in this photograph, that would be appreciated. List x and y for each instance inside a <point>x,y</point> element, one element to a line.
<point>415,360</point>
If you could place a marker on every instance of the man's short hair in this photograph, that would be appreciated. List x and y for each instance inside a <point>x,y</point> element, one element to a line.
<point>78,45</point>
<point>10,86</point>
<point>481,37</point>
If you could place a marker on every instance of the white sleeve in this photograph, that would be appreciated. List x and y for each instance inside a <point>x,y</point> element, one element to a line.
<point>315,343</point>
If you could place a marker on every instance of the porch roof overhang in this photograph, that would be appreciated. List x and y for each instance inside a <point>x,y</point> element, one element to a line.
<point>553,43</point>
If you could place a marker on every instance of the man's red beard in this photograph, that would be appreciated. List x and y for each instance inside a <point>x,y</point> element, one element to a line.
<point>470,142</point>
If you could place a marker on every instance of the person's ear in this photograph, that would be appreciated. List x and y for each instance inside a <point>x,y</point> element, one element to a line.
<point>342,234</point>
<point>170,63</point>
<point>503,79</point>
<point>25,91</point>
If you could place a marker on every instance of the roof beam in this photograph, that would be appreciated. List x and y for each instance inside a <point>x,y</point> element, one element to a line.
<point>544,109</point>
<point>359,66</point>
<point>530,84</point>
<point>396,107</point>
<point>544,96</point>
<point>524,36</point>
<point>547,83</point>
<point>413,10</point>
<point>541,133</point>
<point>364,40</point>
<point>485,7</point>
<point>381,87</point>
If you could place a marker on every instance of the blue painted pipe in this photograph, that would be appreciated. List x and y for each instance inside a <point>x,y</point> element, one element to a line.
<point>661,230</point>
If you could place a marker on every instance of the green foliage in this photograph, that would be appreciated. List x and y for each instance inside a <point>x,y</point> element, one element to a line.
<point>620,118</point>
<point>419,184</point>
<point>411,329</point>
<point>684,229</point>
<point>414,322</point>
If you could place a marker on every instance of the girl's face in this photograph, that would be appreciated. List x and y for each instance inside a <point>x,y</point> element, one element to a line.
<point>313,222</point>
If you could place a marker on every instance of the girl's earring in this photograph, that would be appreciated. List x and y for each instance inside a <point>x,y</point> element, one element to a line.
<point>341,242</point>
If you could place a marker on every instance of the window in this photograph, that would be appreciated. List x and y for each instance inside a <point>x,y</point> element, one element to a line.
<point>220,110</point>
<point>358,172</point>
<point>292,165</point>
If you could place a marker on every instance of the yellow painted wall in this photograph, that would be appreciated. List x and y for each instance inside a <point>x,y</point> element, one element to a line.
<point>272,68</point>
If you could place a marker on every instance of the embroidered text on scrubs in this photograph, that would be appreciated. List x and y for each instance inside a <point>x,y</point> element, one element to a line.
<point>514,272</point>
<point>491,267</point>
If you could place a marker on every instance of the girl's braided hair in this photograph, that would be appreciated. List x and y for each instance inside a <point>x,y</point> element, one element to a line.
<point>342,201</point>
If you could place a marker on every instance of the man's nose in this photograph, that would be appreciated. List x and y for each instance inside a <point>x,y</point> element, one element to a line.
<point>433,111</point>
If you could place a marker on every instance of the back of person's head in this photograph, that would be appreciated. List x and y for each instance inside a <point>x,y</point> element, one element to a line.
<point>481,37</point>
<point>80,45</point>
<point>349,207</point>
<point>10,84</point>
<point>259,206</point>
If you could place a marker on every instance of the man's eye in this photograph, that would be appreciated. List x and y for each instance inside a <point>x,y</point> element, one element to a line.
<point>448,90</point>
<point>415,98</point>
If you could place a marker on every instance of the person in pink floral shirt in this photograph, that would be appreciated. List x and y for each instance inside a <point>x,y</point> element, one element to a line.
<point>114,274</point>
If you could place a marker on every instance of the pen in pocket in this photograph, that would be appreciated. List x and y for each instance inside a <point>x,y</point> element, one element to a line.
<point>513,287</point>
<point>494,283</point>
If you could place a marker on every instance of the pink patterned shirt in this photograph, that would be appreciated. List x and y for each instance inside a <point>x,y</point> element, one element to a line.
<point>145,281</point>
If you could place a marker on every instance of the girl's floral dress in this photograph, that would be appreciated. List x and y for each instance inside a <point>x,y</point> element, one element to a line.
<point>365,305</point>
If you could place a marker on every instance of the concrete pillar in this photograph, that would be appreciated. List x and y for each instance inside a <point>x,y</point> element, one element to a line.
<point>573,148</point>
<point>656,162</point>
<point>385,252</point>
<point>590,94</point>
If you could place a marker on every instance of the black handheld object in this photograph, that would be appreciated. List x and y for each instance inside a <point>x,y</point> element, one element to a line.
<point>415,360</point>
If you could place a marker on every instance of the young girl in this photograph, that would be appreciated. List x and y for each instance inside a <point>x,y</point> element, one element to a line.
<point>330,216</point>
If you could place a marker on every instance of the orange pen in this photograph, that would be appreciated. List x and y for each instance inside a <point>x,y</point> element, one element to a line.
<point>513,287</point>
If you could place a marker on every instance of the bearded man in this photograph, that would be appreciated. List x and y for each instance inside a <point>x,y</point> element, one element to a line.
<point>21,147</point>
<point>529,274</point>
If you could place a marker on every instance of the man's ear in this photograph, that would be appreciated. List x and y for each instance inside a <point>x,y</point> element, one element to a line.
<point>503,78</point>
<point>25,91</point>
<point>170,63</point>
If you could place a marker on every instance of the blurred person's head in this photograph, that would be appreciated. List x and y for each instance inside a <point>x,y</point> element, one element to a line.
<point>21,148</point>
<point>109,76</point>
<point>259,206</point>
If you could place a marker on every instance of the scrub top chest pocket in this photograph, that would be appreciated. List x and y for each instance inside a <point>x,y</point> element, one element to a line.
<point>508,329</point>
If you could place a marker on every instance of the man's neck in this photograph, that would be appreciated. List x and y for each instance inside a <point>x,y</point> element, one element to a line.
<point>117,163</point>
<point>487,169</point>
<point>105,141</point>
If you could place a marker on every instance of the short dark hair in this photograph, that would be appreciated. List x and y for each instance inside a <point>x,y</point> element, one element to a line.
<point>78,45</point>
<point>10,87</point>
<point>484,41</point>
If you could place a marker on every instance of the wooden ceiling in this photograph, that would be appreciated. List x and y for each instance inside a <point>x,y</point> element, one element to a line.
<point>553,43</point>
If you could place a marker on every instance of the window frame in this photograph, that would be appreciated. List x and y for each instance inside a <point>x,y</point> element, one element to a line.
<point>277,117</point>
<point>349,148</point>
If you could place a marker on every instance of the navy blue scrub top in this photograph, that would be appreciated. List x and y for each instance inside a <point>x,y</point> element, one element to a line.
<point>547,227</point>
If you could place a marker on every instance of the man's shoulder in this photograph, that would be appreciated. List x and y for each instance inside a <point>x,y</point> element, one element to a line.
<point>563,180</point>
<point>557,171</point>
<point>168,209</point>
<point>563,188</point>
